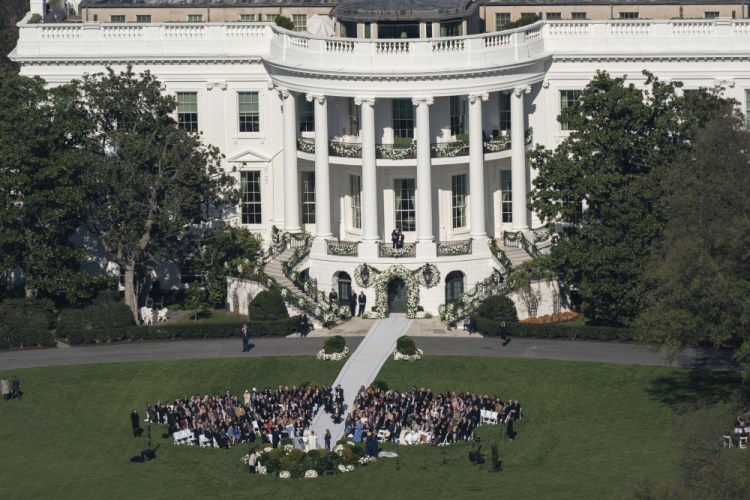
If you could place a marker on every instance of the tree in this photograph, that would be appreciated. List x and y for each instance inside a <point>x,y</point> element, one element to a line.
<point>699,274</point>
<point>153,181</point>
<point>622,138</point>
<point>42,190</point>
<point>284,22</point>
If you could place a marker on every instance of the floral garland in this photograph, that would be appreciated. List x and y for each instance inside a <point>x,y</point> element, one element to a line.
<point>393,153</point>
<point>380,279</point>
<point>452,312</point>
<point>343,458</point>
<point>337,248</point>
<point>496,146</point>
<point>500,256</point>
<point>454,247</point>
<point>448,149</point>
<point>334,356</point>
<point>408,250</point>
<point>397,356</point>
<point>305,145</point>
<point>346,149</point>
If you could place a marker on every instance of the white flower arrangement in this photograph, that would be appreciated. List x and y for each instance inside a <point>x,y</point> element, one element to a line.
<point>262,470</point>
<point>288,448</point>
<point>397,153</point>
<point>342,249</point>
<point>454,247</point>
<point>367,460</point>
<point>285,474</point>
<point>448,149</point>
<point>346,468</point>
<point>496,145</point>
<point>346,149</point>
<point>311,474</point>
<point>339,450</point>
<point>397,356</point>
<point>306,146</point>
<point>420,315</point>
<point>334,356</point>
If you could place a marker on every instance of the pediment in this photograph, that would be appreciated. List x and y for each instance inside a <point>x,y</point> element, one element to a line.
<point>249,156</point>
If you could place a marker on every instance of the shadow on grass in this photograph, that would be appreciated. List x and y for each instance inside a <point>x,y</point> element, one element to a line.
<point>683,387</point>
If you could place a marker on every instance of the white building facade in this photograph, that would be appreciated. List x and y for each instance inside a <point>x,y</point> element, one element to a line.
<point>350,138</point>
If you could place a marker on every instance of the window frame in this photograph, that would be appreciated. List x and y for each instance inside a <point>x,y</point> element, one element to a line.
<point>249,18</point>
<point>251,199</point>
<point>248,122</point>
<point>457,110</point>
<point>402,116</point>
<point>553,16</point>
<point>506,196</point>
<point>405,207</point>
<point>504,115</point>
<point>307,196</point>
<point>459,201</point>
<point>143,18</point>
<point>564,104</point>
<point>499,16</point>
<point>117,18</point>
<point>306,116</point>
<point>355,192</point>
<point>195,18</point>
<point>187,120</point>
<point>299,28</point>
<point>629,14</point>
<point>452,290</point>
<point>578,16</point>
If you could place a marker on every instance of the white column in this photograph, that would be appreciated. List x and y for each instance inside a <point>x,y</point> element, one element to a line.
<point>476,167</point>
<point>291,175</point>
<point>322,169</point>
<point>518,157</point>
<point>424,170</point>
<point>369,173</point>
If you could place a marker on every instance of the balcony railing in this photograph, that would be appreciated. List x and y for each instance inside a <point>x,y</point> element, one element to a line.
<point>451,149</point>
<point>450,248</point>
<point>342,248</point>
<point>387,250</point>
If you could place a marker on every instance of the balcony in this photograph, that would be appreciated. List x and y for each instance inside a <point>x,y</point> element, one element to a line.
<point>387,250</point>
<point>453,248</point>
<point>452,149</point>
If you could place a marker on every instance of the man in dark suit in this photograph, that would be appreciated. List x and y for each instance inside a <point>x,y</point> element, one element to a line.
<point>353,303</point>
<point>362,302</point>
<point>333,299</point>
<point>135,422</point>
<point>245,338</point>
<point>394,237</point>
<point>400,240</point>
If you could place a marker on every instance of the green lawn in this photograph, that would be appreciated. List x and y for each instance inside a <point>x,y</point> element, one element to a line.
<point>588,430</point>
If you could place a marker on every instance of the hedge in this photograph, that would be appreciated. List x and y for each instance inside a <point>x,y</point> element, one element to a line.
<point>491,328</point>
<point>266,303</point>
<point>26,323</point>
<point>101,315</point>
<point>280,328</point>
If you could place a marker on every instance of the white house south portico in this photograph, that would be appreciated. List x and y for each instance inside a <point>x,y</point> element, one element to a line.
<point>408,118</point>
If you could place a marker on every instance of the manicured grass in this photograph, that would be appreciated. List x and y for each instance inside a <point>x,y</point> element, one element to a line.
<point>588,430</point>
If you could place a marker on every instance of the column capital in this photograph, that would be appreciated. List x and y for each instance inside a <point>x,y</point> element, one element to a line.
<point>283,92</point>
<point>523,89</point>
<point>366,101</point>
<point>482,96</point>
<point>422,100</point>
<point>219,84</point>
<point>320,98</point>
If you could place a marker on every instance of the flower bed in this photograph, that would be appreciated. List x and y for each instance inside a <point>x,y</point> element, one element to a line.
<point>397,356</point>
<point>287,462</point>
<point>551,318</point>
<point>334,356</point>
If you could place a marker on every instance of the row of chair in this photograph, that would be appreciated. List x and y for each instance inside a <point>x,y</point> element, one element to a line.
<point>187,437</point>
<point>488,417</point>
<point>729,442</point>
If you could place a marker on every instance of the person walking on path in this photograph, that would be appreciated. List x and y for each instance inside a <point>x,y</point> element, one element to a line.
<point>504,332</point>
<point>362,303</point>
<point>5,388</point>
<point>327,439</point>
<point>353,303</point>
<point>16,388</point>
<point>245,338</point>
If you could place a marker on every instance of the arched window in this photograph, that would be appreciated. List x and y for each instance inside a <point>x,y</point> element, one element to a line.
<point>344,286</point>
<point>454,286</point>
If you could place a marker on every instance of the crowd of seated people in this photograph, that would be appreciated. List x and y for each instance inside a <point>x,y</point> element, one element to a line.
<point>228,419</point>
<point>419,416</point>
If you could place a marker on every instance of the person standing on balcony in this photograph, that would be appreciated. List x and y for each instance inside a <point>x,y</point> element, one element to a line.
<point>394,237</point>
<point>400,240</point>
<point>362,303</point>
<point>353,303</point>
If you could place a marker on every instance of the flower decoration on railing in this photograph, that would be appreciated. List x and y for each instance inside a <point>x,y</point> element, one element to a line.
<point>346,249</point>
<point>407,250</point>
<point>305,145</point>
<point>500,256</point>
<point>454,247</point>
<point>392,152</point>
<point>346,149</point>
<point>448,149</point>
<point>496,145</point>
<point>467,302</point>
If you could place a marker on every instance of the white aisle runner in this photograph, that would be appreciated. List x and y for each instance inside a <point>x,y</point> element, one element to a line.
<point>361,369</point>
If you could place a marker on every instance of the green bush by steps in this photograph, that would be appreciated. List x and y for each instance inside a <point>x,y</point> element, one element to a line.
<point>491,328</point>
<point>333,344</point>
<point>267,302</point>
<point>279,328</point>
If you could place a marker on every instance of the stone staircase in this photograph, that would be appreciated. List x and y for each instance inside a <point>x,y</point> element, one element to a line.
<point>516,255</point>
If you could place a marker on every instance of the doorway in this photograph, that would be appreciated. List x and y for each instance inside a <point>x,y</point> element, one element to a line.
<point>397,296</point>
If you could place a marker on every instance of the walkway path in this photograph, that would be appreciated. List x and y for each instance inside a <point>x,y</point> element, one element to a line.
<point>362,367</point>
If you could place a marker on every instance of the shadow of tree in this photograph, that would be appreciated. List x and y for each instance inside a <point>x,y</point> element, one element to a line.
<point>691,386</point>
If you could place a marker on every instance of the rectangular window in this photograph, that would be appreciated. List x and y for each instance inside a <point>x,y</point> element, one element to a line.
<point>355,190</point>
<point>504,114</point>
<point>306,116</point>
<point>353,117</point>
<point>270,18</point>
<point>711,15</point>
<point>458,115</point>
<point>189,272</point>
<point>458,200</point>
<point>300,22</point>
<point>143,18</point>
<point>368,30</point>
<point>554,16</point>
<point>308,197</point>
<point>248,111</point>
<point>247,17</point>
<point>187,111</point>
<point>195,18</point>
<point>250,203</point>
<point>567,98</point>
<point>578,16</point>
<point>117,19</point>
<point>506,196</point>
<point>403,119</point>
<point>747,108</point>
<point>501,19</point>
<point>630,15</point>
<point>406,214</point>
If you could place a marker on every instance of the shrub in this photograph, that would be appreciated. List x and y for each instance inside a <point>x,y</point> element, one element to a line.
<point>296,454</point>
<point>314,454</point>
<point>524,21</point>
<point>284,22</point>
<point>267,302</point>
<point>497,306</point>
<point>285,441</point>
<point>380,384</point>
<point>103,313</point>
<point>406,345</point>
<point>35,19</point>
<point>491,328</point>
<point>26,323</point>
<point>337,343</point>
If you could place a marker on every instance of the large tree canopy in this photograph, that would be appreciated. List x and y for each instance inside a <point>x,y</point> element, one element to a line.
<point>152,180</point>
<point>699,274</point>
<point>622,138</point>
<point>42,190</point>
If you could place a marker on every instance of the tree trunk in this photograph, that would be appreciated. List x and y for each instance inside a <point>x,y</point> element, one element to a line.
<point>131,298</point>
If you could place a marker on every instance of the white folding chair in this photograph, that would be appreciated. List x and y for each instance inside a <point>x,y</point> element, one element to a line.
<point>381,436</point>
<point>256,429</point>
<point>181,437</point>
<point>492,417</point>
<point>483,416</point>
<point>728,441</point>
<point>743,442</point>
<point>205,442</point>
